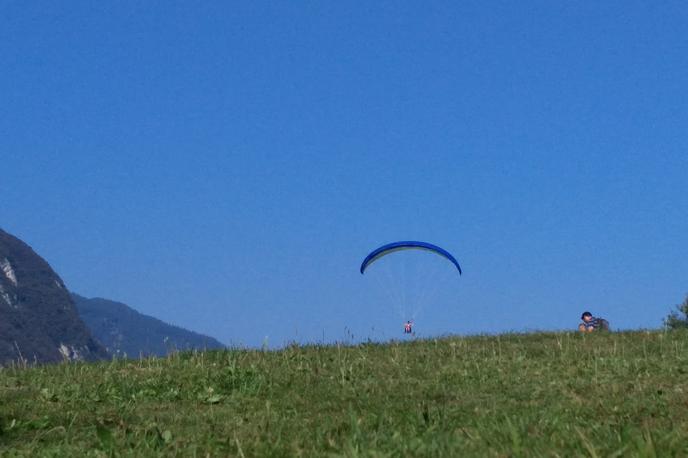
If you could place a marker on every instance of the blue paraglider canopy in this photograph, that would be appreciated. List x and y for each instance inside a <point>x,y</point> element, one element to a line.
<point>407,245</point>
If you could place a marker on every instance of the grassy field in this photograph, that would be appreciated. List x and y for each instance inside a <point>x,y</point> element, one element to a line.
<point>622,394</point>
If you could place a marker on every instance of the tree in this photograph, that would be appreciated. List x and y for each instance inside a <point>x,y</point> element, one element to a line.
<point>678,319</point>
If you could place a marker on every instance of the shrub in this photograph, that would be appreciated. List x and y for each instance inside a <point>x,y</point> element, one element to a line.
<point>678,319</point>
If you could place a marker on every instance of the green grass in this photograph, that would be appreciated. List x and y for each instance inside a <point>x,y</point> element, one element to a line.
<point>623,394</point>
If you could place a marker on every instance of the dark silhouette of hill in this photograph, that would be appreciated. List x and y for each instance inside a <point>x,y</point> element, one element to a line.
<point>126,332</point>
<point>38,319</point>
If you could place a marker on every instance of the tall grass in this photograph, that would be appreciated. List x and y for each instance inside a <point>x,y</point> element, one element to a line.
<point>623,394</point>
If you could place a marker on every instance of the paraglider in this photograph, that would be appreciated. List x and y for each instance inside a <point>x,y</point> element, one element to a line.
<point>409,245</point>
<point>427,278</point>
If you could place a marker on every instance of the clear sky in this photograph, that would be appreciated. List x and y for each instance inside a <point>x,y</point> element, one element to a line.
<point>226,166</point>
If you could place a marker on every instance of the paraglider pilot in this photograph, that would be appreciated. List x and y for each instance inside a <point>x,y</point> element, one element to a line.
<point>408,327</point>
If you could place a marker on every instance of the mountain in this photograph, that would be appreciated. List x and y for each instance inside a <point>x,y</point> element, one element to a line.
<point>126,332</point>
<point>38,319</point>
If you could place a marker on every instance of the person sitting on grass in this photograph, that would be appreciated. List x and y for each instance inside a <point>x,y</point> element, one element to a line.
<point>591,323</point>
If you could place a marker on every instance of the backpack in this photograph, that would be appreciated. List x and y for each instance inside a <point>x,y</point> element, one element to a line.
<point>602,324</point>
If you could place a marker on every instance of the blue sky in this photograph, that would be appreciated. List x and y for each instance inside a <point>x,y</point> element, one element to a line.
<point>226,166</point>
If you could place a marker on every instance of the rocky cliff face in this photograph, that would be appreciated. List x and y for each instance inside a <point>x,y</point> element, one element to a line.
<point>38,319</point>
